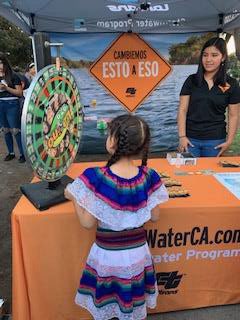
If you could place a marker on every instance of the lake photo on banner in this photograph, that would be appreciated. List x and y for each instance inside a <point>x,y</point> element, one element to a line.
<point>159,110</point>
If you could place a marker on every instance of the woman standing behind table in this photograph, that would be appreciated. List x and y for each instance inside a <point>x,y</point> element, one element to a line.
<point>204,98</point>
<point>10,121</point>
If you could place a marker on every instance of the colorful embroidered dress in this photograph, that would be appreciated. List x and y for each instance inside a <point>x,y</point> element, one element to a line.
<point>119,279</point>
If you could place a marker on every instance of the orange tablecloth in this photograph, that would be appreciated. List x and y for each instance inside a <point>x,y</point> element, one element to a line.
<point>194,267</point>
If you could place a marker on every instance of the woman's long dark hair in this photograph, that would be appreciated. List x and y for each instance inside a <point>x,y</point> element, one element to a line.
<point>132,136</point>
<point>220,78</point>
<point>8,73</point>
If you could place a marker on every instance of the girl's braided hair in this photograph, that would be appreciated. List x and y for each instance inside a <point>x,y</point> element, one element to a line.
<point>132,137</point>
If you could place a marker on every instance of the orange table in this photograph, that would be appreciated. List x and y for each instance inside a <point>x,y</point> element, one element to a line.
<point>195,246</point>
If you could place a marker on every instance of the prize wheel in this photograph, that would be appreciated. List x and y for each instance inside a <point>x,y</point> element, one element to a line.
<point>52,122</point>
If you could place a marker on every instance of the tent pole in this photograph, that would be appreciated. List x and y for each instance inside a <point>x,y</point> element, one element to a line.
<point>42,54</point>
<point>228,36</point>
<point>34,53</point>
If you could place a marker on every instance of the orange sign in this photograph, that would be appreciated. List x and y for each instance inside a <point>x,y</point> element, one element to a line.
<point>130,69</point>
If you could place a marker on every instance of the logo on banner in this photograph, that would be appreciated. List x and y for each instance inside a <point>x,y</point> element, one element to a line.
<point>126,6</point>
<point>130,70</point>
<point>131,91</point>
<point>126,1</point>
<point>169,281</point>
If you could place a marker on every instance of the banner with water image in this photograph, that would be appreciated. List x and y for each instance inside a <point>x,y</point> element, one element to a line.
<point>159,109</point>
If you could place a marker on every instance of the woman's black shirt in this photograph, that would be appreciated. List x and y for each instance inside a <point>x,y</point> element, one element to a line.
<point>15,81</point>
<point>206,110</point>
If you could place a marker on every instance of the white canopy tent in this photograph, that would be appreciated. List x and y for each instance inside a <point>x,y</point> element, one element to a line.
<point>155,16</point>
<point>42,17</point>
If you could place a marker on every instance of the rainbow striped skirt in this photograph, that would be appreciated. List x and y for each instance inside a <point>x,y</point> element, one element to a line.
<point>119,279</point>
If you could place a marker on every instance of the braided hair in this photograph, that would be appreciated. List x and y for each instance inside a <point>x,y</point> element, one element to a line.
<point>132,136</point>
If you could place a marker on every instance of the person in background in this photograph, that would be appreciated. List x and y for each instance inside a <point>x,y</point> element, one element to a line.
<point>120,197</point>
<point>10,121</point>
<point>204,99</point>
<point>24,80</point>
<point>31,72</point>
<point>25,85</point>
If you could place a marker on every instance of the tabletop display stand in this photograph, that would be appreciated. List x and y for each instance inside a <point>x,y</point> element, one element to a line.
<point>45,194</point>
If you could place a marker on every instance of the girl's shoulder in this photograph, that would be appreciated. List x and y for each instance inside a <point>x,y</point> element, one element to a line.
<point>106,173</point>
<point>152,174</point>
<point>192,76</point>
<point>189,84</point>
<point>92,175</point>
<point>90,170</point>
<point>232,89</point>
<point>120,193</point>
<point>193,80</point>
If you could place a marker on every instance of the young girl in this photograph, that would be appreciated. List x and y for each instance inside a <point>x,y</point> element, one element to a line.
<point>204,99</point>
<point>119,279</point>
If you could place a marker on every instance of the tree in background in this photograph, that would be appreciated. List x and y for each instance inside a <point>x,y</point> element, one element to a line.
<point>15,44</point>
<point>188,52</point>
<point>234,67</point>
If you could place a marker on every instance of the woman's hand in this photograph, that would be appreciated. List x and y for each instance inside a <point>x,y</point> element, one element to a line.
<point>184,142</point>
<point>223,147</point>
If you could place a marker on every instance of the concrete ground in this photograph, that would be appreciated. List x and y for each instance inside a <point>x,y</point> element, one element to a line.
<point>12,175</point>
